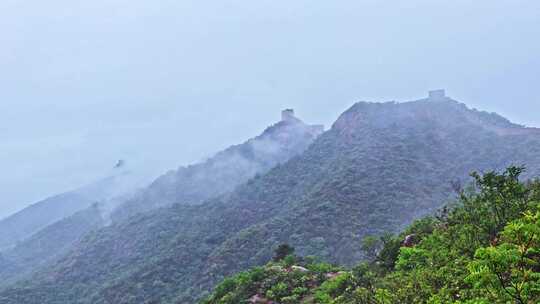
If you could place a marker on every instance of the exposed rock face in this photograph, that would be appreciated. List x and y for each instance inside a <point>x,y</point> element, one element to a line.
<point>194,184</point>
<point>333,275</point>
<point>409,240</point>
<point>299,268</point>
<point>258,299</point>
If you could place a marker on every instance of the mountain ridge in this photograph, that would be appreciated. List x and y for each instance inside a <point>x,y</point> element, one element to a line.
<point>48,244</point>
<point>227,169</point>
<point>37,216</point>
<point>378,168</point>
<point>230,167</point>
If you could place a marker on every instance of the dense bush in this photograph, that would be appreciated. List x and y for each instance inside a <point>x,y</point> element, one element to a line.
<point>485,249</point>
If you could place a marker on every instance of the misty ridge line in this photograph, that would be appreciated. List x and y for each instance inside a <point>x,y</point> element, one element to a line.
<point>262,145</point>
<point>265,146</point>
<point>125,192</point>
<point>288,176</point>
<point>66,68</point>
<point>221,173</point>
<point>153,153</point>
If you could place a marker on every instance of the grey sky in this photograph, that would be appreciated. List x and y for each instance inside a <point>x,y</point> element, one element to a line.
<point>164,83</point>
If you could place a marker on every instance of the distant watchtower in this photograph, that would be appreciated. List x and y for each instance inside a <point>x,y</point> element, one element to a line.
<point>287,115</point>
<point>437,94</point>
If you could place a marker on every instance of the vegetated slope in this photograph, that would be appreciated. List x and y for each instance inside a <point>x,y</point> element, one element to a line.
<point>377,169</point>
<point>48,245</point>
<point>483,249</point>
<point>34,218</point>
<point>292,280</point>
<point>6,265</point>
<point>227,169</point>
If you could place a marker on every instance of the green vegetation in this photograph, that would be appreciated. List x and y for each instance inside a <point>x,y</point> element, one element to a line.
<point>378,169</point>
<point>287,280</point>
<point>47,245</point>
<point>485,249</point>
<point>194,184</point>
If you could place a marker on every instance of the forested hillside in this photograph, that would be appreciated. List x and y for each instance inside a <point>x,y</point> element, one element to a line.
<point>34,218</point>
<point>23,224</point>
<point>483,249</point>
<point>380,167</point>
<point>47,245</point>
<point>220,174</point>
<point>47,230</point>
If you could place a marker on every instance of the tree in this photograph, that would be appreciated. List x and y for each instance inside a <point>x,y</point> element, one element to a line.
<point>282,251</point>
<point>370,246</point>
<point>511,270</point>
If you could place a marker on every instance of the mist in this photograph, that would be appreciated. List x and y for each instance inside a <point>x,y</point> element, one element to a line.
<point>168,83</point>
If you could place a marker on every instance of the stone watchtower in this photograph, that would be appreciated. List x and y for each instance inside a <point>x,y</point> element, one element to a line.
<point>437,94</point>
<point>287,115</point>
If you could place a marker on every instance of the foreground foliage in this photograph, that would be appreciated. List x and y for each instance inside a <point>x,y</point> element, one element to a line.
<point>483,249</point>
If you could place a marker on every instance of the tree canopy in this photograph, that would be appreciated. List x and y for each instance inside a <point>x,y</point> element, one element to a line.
<point>485,248</point>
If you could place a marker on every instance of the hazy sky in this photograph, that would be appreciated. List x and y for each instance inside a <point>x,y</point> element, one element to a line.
<point>165,83</point>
